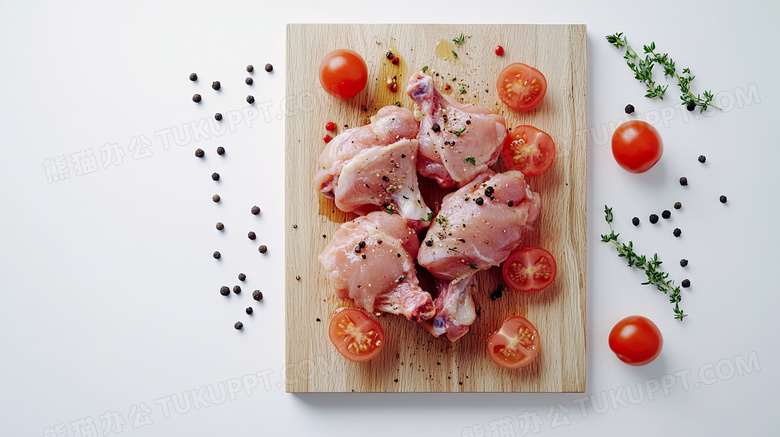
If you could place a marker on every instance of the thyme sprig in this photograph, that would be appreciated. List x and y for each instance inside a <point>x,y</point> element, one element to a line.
<point>650,265</point>
<point>643,72</point>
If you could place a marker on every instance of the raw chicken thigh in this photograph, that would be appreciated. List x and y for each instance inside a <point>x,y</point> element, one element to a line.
<point>374,167</point>
<point>477,228</point>
<point>371,261</point>
<point>457,141</point>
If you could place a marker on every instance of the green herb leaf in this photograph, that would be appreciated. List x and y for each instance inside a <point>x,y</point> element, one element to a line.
<point>400,279</point>
<point>460,131</point>
<point>441,219</point>
<point>454,54</point>
<point>459,40</point>
<point>471,160</point>
<point>424,69</point>
<point>473,266</point>
<point>430,217</point>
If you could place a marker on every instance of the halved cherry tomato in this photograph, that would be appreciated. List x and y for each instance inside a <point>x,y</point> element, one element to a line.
<point>529,269</point>
<point>637,146</point>
<point>529,150</point>
<point>356,336</point>
<point>521,86</point>
<point>636,340</point>
<point>515,344</point>
<point>343,73</point>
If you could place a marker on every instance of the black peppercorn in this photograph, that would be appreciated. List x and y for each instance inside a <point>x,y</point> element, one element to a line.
<point>193,77</point>
<point>635,221</point>
<point>683,262</point>
<point>215,198</point>
<point>691,106</point>
<point>250,99</point>
<point>249,310</point>
<point>200,153</point>
<point>257,295</point>
<point>362,244</point>
<point>220,150</point>
<point>269,68</point>
<point>251,235</point>
<point>249,81</point>
<point>489,191</point>
<point>436,127</point>
<point>216,85</point>
<point>677,205</point>
<point>479,201</point>
<point>723,199</point>
<point>250,68</point>
<point>389,55</point>
<point>683,181</point>
<point>653,218</point>
<point>196,98</point>
<point>255,210</point>
<point>239,326</point>
<point>297,278</point>
<point>237,289</point>
<point>510,204</point>
<point>702,159</point>
<point>629,108</point>
<point>224,290</point>
<point>666,214</point>
<point>217,255</point>
<point>220,226</point>
<point>429,243</point>
<point>677,232</point>
<point>218,116</point>
<point>686,283</point>
<point>215,176</point>
<point>262,249</point>
<point>241,277</point>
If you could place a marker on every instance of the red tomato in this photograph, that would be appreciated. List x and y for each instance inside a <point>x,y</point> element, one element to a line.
<point>521,87</point>
<point>529,269</point>
<point>343,73</point>
<point>515,344</point>
<point>356,336</point>
<point>636,340</point>
<point>529,150</point>
<point>637,146</point>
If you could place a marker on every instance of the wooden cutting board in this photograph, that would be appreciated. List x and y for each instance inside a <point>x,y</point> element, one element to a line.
<point>413,360</point>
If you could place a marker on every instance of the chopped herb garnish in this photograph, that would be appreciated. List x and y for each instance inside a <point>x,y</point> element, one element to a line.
<point>430,216</point>
<point>424,69</point>
<point>470,160</point>
<point>454,54</point>
<point>460,131</point>
<point>459,40</point>
<point>473,266</point>
<point>441,219</point>
<point>462,90</point>
<point>400,279</point>
<point>398,104</point>
<point>453,249</point>
<point>651,266</point>
<point>389,209</point>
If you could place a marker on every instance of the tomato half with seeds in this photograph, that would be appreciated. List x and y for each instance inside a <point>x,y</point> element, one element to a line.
<point>515,344</point>
<point>356,336</point>
<point>529,269</point>
<point>521,86</point>
<point>636,340</point>
<point>528,149</point>
<point>343,73</point>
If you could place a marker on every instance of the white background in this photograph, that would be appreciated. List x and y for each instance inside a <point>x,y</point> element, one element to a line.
<point>109,301</point>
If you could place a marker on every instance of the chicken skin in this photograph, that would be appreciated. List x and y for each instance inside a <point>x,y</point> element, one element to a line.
<point>371,261</point>
<point>373,167</point>
<point>458,141</point>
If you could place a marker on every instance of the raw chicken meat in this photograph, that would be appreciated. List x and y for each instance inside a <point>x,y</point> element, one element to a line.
<point>371,261</point>
<point>458,141</point>
<point>454,308</point>
<point>374,167</point>
<point>478,226</point>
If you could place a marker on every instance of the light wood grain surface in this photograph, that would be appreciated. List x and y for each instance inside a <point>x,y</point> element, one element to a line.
<point>413,360</point>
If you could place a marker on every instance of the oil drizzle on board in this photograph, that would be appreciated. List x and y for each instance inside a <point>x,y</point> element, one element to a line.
<point>413,360</point>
